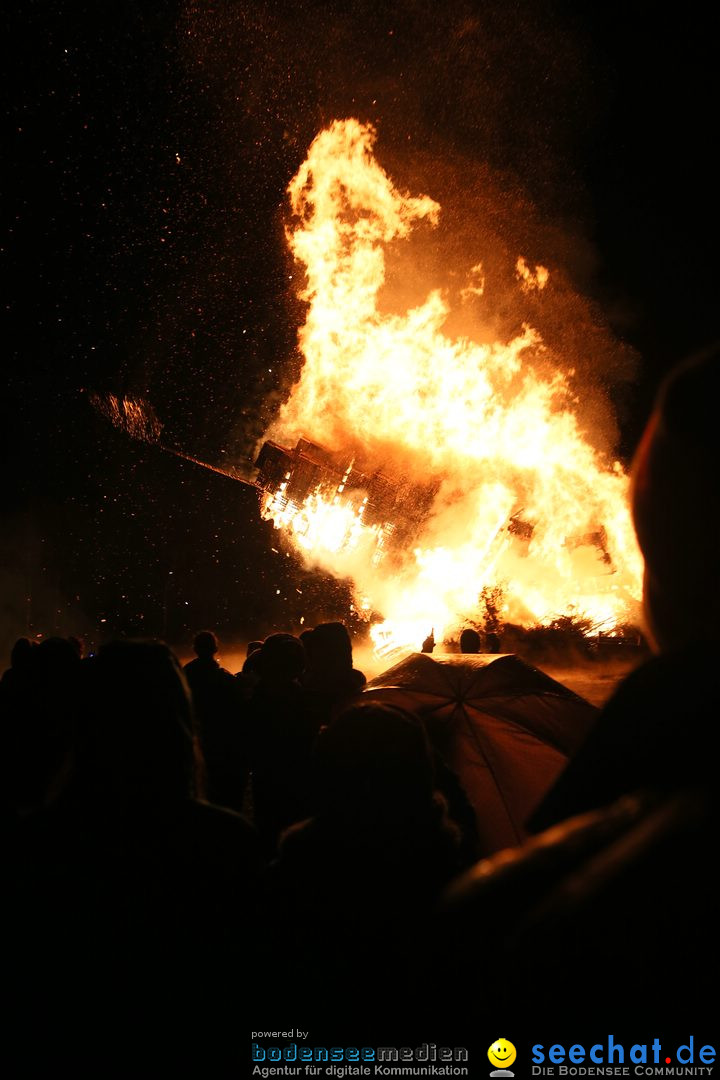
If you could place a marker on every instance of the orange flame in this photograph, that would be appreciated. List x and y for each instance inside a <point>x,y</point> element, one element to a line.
<point>500,439</point>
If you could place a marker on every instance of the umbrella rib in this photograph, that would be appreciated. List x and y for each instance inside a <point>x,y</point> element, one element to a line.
<point>475,736</point>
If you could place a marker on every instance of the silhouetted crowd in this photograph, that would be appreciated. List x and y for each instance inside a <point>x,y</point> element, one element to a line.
<point>188,849</point>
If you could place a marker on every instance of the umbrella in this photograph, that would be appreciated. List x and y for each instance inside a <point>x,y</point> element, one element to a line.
<point>505,728</point>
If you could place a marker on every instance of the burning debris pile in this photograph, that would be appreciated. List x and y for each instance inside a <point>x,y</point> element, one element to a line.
<point>454,466</point>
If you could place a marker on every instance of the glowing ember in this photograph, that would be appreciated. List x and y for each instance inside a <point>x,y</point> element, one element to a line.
<point>520,498</point>
<point>134,416</point>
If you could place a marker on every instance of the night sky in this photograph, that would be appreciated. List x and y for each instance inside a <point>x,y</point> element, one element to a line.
<point>149,147</point>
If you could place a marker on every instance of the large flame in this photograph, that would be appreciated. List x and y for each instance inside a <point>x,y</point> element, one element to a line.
<point>486,423</point>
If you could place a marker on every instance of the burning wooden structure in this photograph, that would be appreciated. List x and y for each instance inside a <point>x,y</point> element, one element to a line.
<point>392,507</point>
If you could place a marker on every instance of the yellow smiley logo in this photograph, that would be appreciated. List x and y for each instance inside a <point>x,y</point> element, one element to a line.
<point>502,1053</point>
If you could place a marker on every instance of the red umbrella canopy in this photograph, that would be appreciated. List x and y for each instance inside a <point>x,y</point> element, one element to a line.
<point>505,728</point>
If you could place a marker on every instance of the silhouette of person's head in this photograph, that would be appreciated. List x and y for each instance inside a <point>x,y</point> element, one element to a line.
<point>78,645</point>
<point>136,740</point>
<point>54,673</point>
<point>21,653</point>
<point>676,507</point>
<point>306,640</point>
<point>373,763</point>
<point>329,648</point>
<point>280,661</point>
<point>205,644</point>
<point>469,641</point>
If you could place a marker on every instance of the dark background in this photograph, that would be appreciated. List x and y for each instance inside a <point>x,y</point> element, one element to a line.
<point>149,147</point>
